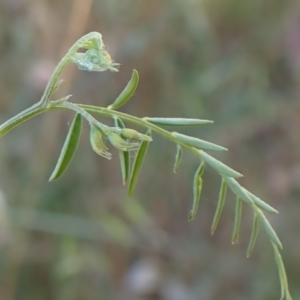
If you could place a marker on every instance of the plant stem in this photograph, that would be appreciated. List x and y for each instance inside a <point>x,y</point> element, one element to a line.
<point>129,118</point>
<point>21,117</point>
<point>41,105</point>
<point>64,61</point>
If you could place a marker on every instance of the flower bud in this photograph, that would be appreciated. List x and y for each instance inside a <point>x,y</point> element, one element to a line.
<point>128,133</point>
<point>121,144</point>
<point>94,60</point>
<point>97,143</point>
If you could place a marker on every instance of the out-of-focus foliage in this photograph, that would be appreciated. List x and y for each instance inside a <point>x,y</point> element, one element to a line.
<point>235,62</point>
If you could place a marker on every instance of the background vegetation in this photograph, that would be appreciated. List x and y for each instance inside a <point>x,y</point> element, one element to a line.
<point>235,62</point>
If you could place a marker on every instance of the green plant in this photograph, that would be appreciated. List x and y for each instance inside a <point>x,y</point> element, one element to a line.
<point>96,58</point>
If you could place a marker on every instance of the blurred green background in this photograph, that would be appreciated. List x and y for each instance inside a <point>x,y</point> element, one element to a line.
<point>81,238</point>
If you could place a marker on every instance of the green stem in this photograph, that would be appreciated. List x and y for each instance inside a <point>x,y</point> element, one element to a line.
<point>64,61</point>
<point>105,112</point>
<point>21,117</point>
<point>91,120</point>
<point>41,105</point>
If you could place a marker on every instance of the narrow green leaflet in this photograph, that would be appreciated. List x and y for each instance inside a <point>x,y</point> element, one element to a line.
<point>177,121</point>
<point>137,165</point>
<point>237,189</point>
<point>69,148</point>
<point>221,202</point>
<point>197,188</point>
<point>269,229</point>
<point>118,122</point>
<point>123,155</point>
<point>128,91</point>
<point>237,220</point>
<point>263,205</point>
<point>197,143</point>
<point>285,293</point>
<point>254,234</point>
<point>178,158</point>
<point>218,166</point>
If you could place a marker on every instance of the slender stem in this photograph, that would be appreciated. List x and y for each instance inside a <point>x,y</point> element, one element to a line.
<point>91,120</point>
<point>21,117</point>
<point>71,106</point>
<point>41,105</point>
<point>64,61</point>
<point>125,117</point>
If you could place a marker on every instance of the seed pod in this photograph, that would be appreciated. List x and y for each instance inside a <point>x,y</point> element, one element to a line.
<point>128,133</point>
<point>177,121</point>
<point>97,142</point>
<point>128,91</point>
<point>120,143</point>
<point>69,148</point>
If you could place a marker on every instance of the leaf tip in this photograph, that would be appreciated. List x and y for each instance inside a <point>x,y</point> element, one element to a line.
<point>191,216</point>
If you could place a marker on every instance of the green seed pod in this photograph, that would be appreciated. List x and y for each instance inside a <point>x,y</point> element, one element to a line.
<point>128,133</point>
<point>128,91</point>
<point>69,148</point>
<point>120,143</point>
<point>97,142</point>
